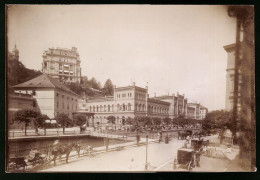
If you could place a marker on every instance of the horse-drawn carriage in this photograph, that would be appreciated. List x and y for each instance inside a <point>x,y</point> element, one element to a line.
<point>34,159</point>
<point>186,159</point>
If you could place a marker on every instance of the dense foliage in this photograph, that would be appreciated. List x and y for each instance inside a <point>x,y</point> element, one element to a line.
<point>26,116</point>
<point>216,120</point>
<point>64,120</point>
<point>18,73</point>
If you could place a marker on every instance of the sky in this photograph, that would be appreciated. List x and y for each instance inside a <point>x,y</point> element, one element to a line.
<point>173,48</point>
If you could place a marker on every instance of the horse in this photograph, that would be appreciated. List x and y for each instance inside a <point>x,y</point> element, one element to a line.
<point>62,149</point>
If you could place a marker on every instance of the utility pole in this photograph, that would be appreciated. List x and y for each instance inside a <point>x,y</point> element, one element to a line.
<point>146,158</point>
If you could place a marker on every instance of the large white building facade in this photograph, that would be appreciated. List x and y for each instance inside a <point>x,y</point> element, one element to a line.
<point>130,101</point>
<point>62,64</point>
<point>178,105</point>
<point>230,49</point>
<point>51,96</point>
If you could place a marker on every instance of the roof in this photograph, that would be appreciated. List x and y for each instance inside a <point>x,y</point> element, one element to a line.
<point>131,87</point>
<point>44,81</point>
<point>153,100</point>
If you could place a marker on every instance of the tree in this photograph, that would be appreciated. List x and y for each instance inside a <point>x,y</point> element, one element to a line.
<point>215,120</point>
<point>157,121</point>
<point>167,121</point>
<point>25,116</point>
<point>94,84</point>
<point>79,119</point>
<point>63,120</point>
<point>18,73</point>
<point>75,87</point>
<point>108,88</point>
<point>40,121</point>
<point>111,119</point>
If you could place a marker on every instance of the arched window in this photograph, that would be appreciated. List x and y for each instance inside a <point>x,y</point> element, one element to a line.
<point>105,108</point>
<point>101,108</point>
<point>143,107</point>
<point>94,109</point>
<point>118,107</point>
<point>139,107</point>
<point>112,107</point>
<point>129,107</point>
<point>97,108</point>
<point>123,107</point>
<point>108,107</point>
<point>136,107</point>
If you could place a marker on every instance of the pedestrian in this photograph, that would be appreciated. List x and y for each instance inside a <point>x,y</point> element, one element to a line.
<point>106,143</point>
<point>166,139</point>
<point>158,136</point>
<point>132,165</point>
<point>138,139</point>
<point>188,139</point>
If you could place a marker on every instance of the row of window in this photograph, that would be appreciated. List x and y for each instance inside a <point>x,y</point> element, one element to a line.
<point>128,107</point>
<point>68,98</point>
<point>124,95</point>
<point>68,107</point>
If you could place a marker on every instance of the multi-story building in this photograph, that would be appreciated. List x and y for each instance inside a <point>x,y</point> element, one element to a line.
<point>203,112</point>
<point>178,105</point>
<point>191,112</point>
<point>130,101</point>
<point>230,49</point>
<point>199,111</point>
<point>62,64</point>
<point>52,97</point>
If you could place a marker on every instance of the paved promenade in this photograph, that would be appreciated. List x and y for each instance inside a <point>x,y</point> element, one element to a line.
<point>131,158</point>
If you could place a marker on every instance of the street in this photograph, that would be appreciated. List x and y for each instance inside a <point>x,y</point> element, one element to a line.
<point>131,159</point>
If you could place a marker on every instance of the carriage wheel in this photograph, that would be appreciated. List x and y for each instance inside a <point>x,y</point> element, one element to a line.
<point>190,166</point>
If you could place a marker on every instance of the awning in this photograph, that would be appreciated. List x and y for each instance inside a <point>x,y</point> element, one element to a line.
<point>53,121</point>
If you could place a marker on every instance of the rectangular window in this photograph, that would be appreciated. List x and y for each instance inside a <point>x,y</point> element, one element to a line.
<point>57,94</point>
<point>57,104</point>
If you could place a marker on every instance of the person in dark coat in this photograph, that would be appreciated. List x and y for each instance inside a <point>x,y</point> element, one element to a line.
<point>106,142</point>
<point>138,139</point>
<point>166,139</point>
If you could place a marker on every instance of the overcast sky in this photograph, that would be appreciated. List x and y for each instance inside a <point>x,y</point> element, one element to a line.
<point>173,48</point>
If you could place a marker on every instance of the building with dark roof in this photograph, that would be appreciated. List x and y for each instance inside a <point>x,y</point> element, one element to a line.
<point>52,96</point>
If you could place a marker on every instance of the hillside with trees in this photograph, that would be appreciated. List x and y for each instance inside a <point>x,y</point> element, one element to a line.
<point>18,73</point>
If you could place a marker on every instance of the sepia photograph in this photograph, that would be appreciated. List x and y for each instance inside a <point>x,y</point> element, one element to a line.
<point>130,88</point>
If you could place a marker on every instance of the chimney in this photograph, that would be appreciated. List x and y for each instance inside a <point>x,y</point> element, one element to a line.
<point>146,87</point>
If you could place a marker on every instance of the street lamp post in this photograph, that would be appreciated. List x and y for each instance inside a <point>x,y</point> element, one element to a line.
<point>146,161</point>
